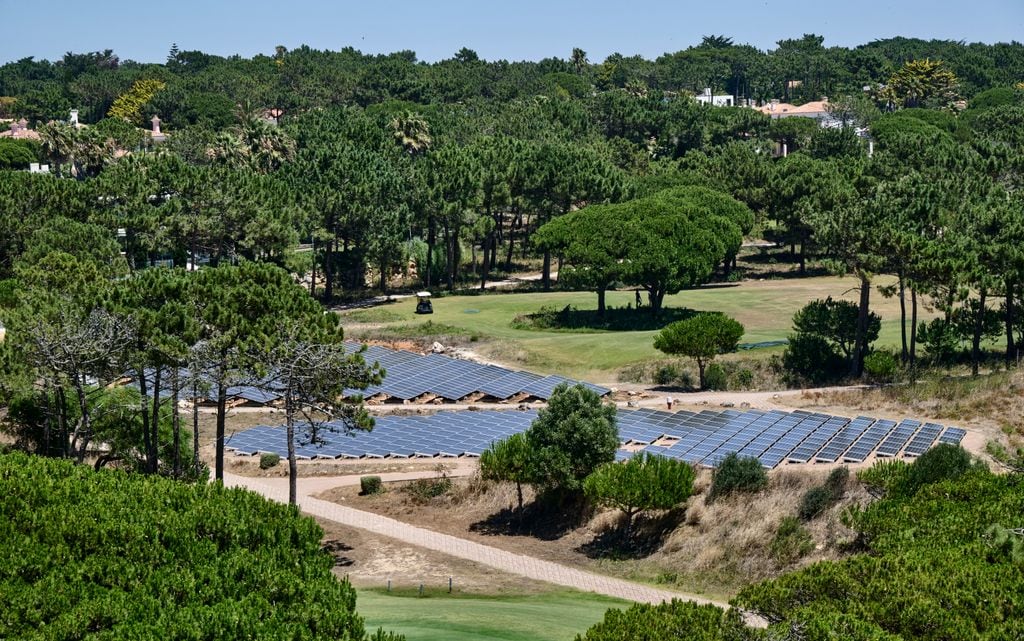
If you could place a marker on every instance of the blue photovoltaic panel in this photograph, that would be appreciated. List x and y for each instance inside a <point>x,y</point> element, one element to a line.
<point>701,439</point>
<point>953,435</point>
<point>843,440</point>
<point>923,440</point>
<point>816,440</point>
<point>898,438</point>
<point>863,447</point>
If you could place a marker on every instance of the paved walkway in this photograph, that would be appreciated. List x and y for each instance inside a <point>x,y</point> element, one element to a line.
<point>522,565</point>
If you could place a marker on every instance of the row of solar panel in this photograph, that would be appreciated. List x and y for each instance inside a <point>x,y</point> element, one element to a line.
<point>410,375</point>
<point>261,393</point>
<point>703,438</point>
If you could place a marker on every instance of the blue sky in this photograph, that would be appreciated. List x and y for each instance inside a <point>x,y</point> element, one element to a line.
<point>518,30</point>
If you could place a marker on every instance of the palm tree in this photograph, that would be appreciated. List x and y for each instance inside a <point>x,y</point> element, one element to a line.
<point>579,60</point>
<point>412,132</point>
<point>59,141</point>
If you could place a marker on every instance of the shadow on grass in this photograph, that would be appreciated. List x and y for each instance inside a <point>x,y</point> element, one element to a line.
<point>337,549</point>
<point>619,319</point>
<point>647,537</point>
<point>546,520</point>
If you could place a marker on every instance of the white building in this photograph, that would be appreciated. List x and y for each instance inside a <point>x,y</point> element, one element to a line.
<point>707,98</point>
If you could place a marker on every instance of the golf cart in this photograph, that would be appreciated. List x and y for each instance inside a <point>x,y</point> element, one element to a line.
<point>423,305</point>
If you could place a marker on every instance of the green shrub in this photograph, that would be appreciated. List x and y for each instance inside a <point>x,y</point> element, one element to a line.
<point>114,555</point>
<point>667,374</point>
<point>370,485</point>
<point>791,542</point>
<point>269,460</point>
<point>744,378</point>
<point>715,378</point>
<point>667,622</point>
<point>818,499</point>
<point>815,501</point>
<point>422,490</point>
<point>836,482</point>
<point>883,475</point>
<point>942,462</point>
<point>736,474</point>
<point>940,340</point>
<point>881,366</point>
<point>644,482</point>
<point>812,359</point>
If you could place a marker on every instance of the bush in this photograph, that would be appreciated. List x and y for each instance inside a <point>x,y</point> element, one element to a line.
<point>737,474</point>
<point>812,359</point>
<point>667,622</point>
<point>836,482</point>
<point>815,501</point>
<point>269,460</point>
<point>881,366</point>
<point>744,378</point>
<point>644,482</point>
<point>942,462</point>
<point>423,490</point>
<point>715,378</point>
<point>940,340</point>
<point>113,555</point>
<point>370,485</point>
<point>818,499</point>
<point>667,374</point>
<point>883,475</point>
<point>791,542</point>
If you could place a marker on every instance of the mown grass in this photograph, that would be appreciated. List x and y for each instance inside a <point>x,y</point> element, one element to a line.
<point>765,308</point>
<point>554,615</point>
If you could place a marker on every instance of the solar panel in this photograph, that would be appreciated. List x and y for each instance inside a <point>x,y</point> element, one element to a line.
<point>898,438</point>
<point>923,440</point>
<point>843,440</point>
<point>703,439</point>
<point>953,435</point>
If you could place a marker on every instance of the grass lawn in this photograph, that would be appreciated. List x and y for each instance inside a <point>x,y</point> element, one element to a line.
<point>557,615</point>
<point>765,308</point>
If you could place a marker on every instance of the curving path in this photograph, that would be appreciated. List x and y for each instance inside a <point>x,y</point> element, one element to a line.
<point>522,565</point>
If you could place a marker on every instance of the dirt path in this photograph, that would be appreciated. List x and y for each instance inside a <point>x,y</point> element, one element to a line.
<point>529,567</point>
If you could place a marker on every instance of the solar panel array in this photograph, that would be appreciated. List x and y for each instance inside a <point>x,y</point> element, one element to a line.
<point>410,375</point>
<point>703,438</point>
<point>260,393</point>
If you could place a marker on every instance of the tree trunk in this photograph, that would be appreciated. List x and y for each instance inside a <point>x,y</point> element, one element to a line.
<point>222,409</point>
<point>803,258</point>
<point>913,327</point>
<point>860,345</point>
<point>700,372</point>
<point>195,427</point>
<point>153,455</point>
<point>147,436</point>
<point>656,297</point>
<point>511,242</point>
<point>629,523</point>
<point>312,275</point>
<point>546,272</point>
<point>431,239</point>
<point>293,466</point>
<point>486,259</point>
<point>449,257</point>
<point>904,354</point>
<point>600,301</point>
<point>979,323</point>
<point>329,265</point>
<point>176,423</point>
<point>1011,313</point>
